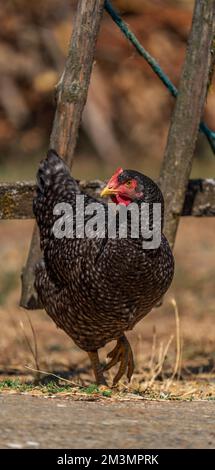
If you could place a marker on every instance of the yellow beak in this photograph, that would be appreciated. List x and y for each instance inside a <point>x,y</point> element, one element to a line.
<point>107,192</point>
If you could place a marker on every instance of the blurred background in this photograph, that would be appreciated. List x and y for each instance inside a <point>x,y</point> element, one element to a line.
<point>126,122</point>
<point>128,110</point>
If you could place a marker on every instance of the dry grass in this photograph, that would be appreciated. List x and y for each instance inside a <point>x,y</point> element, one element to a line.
<point>33,348</point>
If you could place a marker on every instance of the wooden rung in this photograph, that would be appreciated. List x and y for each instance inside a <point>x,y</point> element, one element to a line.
<point>16,198</point>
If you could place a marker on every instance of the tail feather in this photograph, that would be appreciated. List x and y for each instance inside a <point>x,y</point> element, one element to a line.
<point>50,169</point>
<point>54,185</point>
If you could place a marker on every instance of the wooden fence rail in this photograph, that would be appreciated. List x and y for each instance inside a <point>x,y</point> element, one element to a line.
<point>16,198</point>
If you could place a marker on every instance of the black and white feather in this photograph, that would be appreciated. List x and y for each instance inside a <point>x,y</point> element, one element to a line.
<point>94,289</point>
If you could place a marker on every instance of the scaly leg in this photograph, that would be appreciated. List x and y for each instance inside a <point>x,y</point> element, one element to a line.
<point>121,353</point>
<point>97,368</point>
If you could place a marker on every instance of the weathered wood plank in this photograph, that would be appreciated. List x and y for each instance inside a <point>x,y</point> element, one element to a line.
<point>16,198</point>
<point>200,198</point>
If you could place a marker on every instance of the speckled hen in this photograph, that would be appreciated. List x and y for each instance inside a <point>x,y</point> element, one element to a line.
<point>95,289</point>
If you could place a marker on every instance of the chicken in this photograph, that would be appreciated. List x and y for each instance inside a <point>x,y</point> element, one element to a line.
<point>97,288</point>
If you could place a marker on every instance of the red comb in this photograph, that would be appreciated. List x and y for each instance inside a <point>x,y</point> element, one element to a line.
<point>118,171</point>
<point>113,179</point>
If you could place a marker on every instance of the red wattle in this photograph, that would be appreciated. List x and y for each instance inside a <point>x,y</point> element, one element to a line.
<point>119,199</point>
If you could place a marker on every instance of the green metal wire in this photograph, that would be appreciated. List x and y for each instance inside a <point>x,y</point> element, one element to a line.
<point>210,135</point>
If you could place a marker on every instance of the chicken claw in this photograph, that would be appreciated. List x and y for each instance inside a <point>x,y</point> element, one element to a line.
<point>121,353</point>
<point>97,368</point>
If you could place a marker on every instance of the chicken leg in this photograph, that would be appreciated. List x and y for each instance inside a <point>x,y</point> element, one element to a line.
<point>121,353</point>
<point>97,368</point>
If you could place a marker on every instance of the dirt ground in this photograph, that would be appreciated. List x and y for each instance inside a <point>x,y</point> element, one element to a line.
<point>192,289</point>
<point>35,423</point>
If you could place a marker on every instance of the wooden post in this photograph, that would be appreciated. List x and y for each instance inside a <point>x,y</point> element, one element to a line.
<point>73,87</point>
<point>29,297</point>
<point>71,97</point>
<point>183,132</point>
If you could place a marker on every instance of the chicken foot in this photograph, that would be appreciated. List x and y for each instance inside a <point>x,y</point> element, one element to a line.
<point>97,368</point>
<point>121,353</point>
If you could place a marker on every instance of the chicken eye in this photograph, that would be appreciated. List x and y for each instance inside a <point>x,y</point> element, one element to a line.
<point>128,183</point>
